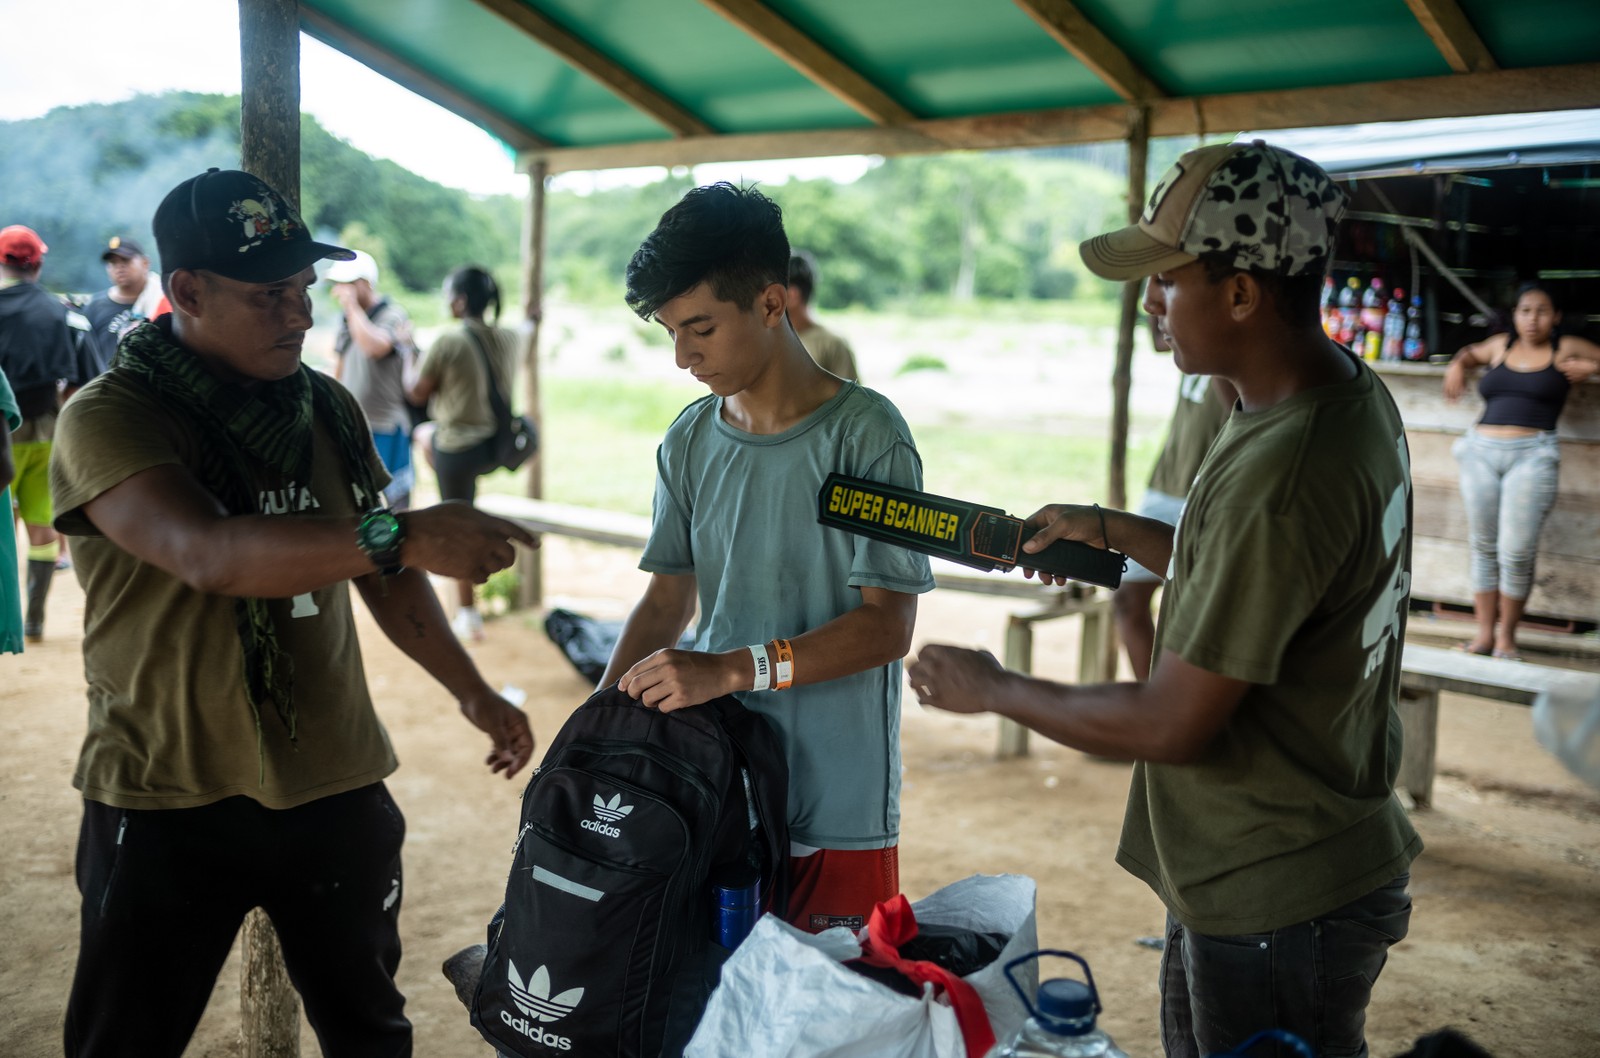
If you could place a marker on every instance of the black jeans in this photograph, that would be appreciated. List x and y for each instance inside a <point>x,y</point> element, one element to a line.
<point>164,893</point>
<point>1312,979</point>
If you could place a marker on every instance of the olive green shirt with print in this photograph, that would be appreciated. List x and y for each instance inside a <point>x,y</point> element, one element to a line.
<point>460,403</point>
<point>1196,418</point>
<point>169,723</point>
<point>1291,570</point>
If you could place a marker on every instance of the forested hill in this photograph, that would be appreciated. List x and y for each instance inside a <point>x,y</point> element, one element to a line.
<point>957,226</point>
<point>79,175</point>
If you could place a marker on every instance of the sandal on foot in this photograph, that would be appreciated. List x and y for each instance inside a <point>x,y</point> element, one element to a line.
<point>1466,648</point>
<point>1508,655</point>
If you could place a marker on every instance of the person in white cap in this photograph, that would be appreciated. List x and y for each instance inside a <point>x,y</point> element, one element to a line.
<point>1262,808</point>
<point>373,346</point>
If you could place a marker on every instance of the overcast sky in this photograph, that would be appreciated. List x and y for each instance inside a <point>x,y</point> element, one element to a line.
<point>99,51</point>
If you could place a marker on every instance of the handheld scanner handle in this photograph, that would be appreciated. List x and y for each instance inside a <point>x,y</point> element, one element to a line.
<point>1078,561</point>
<point>1027,1000</point>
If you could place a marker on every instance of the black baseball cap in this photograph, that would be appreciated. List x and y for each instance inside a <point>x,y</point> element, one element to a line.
<point>234,224</point>
<point>124,248</point>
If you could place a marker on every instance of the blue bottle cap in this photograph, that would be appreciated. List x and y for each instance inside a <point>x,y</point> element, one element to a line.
<point>1065,1006</point>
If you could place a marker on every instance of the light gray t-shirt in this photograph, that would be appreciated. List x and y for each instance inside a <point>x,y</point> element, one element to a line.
<point>376,381</point>
<point>738,511</point>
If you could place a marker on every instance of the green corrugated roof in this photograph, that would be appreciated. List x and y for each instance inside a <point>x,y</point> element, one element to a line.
<point>943,61</point>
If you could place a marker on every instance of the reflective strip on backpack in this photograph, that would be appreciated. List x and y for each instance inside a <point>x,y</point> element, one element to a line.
<point>566,885</point>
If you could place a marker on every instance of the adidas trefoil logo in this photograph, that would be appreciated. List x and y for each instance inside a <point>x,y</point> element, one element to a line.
<point>607,812</point>
<point>534,1000</point>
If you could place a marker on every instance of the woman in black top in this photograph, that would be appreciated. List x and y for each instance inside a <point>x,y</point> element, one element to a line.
<point>1509,460</point>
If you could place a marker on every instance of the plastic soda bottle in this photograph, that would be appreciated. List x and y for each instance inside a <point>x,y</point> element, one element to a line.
<point>1349,315</point>
<point>1372,303</point>
<point>1394,326</point>
<point>1062,1018</point>
<point>1412,347</point>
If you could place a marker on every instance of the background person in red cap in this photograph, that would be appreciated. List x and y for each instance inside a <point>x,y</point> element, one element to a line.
<point>1262,808</point>
<point>46,353</point>
<point>132,298</point>
<point>224,496</point>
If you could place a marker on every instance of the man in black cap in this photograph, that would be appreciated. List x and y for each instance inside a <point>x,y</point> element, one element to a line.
<point>223,494</point>
<point>132,297</point>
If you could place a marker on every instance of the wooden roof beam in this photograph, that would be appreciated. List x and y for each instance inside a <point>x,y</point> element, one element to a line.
<point>580,54</point>
<point>1074,32</point>
<point>429,87</point>
<point>823,67</point>
<point>1453,95</point>
<point>1453,35</point>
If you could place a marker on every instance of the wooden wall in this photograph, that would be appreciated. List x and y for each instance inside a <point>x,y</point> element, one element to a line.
<point>1567,578</point>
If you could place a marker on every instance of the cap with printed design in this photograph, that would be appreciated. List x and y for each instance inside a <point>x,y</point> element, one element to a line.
<point>1261,207</point>
<point>232,223</point>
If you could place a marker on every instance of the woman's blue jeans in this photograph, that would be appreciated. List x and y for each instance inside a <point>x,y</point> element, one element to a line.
<point>1508,485</point>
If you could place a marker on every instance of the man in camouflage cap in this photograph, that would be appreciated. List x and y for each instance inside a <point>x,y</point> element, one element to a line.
<point>1262,808</point>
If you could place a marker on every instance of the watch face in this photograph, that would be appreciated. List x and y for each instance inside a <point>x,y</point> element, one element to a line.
<point>381,530</point>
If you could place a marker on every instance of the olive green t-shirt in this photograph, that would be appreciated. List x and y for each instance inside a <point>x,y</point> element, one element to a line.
<point>831,352</point>
<point>1291,569</point>
<point>1196,418</point>
<point>460,404</point>
<point>169,723</point>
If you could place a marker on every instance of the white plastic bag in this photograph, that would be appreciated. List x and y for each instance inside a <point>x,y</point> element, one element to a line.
<point>1566,721</point>
<point>785,994</point>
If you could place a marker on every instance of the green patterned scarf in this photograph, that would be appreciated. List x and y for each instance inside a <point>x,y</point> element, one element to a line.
<point>245,431</point>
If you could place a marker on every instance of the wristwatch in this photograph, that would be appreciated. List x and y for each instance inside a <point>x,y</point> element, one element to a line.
<point>379,536</point>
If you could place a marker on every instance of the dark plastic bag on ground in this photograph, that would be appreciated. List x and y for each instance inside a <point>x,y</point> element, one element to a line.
<point>961,951</point>
<point>588,643</point>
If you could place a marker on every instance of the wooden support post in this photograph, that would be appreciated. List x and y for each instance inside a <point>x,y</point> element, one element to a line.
<point>269,147</point>
<point>530,564</point>
<point>1019,658</point>
<point>269,1009</point>
<point>269,109</point>
<point>1419,722</point>
<point>1122,373</point>
<point>1095,634</point>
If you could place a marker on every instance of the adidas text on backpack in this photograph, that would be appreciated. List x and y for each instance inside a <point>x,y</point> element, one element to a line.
<point>603,947</point>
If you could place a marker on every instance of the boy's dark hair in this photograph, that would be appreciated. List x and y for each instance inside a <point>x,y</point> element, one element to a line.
<point>477,287</point>
<point>803,274</point>
<point>1298,299</point>
<point>730,237</point>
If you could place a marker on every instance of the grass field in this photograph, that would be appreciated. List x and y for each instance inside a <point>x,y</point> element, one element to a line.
<point>1009,403</point>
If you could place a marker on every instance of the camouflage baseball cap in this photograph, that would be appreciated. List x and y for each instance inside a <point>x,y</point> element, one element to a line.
<point>1267,208</point>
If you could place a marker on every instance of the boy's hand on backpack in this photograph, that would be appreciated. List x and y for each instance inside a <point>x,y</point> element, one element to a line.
<point>507,728</point>
<point>676,679</point>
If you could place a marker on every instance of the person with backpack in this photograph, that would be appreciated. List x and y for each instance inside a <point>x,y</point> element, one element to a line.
<point>454,379</point>
<point>807,626</point>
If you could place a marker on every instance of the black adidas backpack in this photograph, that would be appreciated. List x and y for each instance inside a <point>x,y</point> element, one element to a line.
<point>603,946</point>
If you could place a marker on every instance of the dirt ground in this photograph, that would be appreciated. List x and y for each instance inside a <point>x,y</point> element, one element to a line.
<point>1505,942</point>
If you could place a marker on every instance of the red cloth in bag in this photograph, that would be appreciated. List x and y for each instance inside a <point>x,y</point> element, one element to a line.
<point>892,925</point>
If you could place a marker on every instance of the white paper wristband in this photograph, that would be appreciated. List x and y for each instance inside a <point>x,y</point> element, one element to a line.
<point>758,652</point>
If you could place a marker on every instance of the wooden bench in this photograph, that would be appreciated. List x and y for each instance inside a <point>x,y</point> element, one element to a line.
<point>1426,671</point>
<point>1092,606</point>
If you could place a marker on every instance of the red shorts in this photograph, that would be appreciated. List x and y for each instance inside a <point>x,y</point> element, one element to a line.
<point>840,887</point>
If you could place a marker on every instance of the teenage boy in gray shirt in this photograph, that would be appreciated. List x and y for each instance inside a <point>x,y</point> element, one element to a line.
<point>806,625</point>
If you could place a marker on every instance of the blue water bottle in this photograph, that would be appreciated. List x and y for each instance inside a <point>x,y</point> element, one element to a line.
<point>1061,1022</point>
<point>736,904</point>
